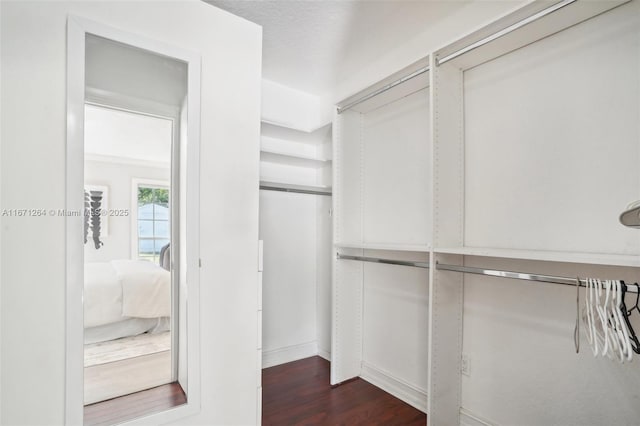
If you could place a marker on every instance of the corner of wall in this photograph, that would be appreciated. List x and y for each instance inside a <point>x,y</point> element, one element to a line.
<point>295,109</point>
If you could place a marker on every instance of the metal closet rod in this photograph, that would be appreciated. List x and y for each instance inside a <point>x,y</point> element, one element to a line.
<point>504,31</point>
<point>298,189</point>
<point>423,265</point>
<point>383,89</point>
<point>631,288</point>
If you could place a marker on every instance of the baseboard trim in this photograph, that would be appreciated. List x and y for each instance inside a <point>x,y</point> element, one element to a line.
<point>467,418</point>
<point>324,354</point>
<point>279,356</point>
<point>408,393</point>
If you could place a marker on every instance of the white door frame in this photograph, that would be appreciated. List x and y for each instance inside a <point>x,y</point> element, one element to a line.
<point>77,29</point>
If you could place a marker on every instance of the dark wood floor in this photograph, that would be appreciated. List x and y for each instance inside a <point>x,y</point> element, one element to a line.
<point>132,406</point>
<point>299,393</point>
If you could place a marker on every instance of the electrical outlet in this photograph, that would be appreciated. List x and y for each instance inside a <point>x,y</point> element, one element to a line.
<point>466,365</point>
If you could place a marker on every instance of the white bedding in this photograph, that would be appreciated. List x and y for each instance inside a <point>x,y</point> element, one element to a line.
<point>146,289</point>
<point>121,289</point>
<point>126,328</point>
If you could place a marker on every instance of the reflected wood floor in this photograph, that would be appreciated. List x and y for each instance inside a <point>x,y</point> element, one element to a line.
<point>118,410</point>
<point>298,393</point>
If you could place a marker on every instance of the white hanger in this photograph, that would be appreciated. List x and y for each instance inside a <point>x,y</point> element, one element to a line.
<point>606,330</point>
<point>613,327</point>
<point>576,329</point>
<point>588,317</point>
<point>621,325</point>
<point>600,320</point>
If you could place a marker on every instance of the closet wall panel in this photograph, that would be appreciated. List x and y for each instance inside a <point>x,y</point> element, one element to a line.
<point>289,275</point>
<point>551,141</point>
<point>524,370</point>
<point>395,320</point>
<point>324,256</point>
<point>346,322</point>
<point>348,177</point>
<point>382,181</point>
<point>552,147</point>
<point>396,166</point>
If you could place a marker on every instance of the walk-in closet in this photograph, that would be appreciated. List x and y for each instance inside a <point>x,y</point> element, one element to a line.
<point>474,191</point>
<point>386,212</point>
<point>475,194</point>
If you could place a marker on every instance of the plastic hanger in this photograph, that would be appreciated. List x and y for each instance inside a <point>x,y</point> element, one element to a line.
<point>600,322</point>
<point>635,307</point>
<point>588,316</point>
<point>633,339</point>
<point>576,329</point>
<point>622,323</point>
<point>615,323</point>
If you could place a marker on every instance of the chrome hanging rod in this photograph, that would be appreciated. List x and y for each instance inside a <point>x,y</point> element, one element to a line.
<point>299,189</point>
<point>423,265</point>
<point>504,31</point>
<point>383,89</point>
<point>631,288</point>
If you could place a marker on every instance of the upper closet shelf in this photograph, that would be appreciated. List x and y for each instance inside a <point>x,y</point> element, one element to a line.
<point>292,160</point>
<point>390,247</point>
<point>533,22</point>
<point>544,255</point>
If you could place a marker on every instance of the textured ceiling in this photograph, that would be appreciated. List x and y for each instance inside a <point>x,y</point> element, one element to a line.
<point>312,45</point>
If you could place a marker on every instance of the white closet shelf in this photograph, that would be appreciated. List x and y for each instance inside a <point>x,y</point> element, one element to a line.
<point>545,255</point>
<point>288,159</point>
<point>390,247</point>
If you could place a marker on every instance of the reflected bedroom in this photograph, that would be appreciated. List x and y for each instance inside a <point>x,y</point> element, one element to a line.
<point>134,103</point>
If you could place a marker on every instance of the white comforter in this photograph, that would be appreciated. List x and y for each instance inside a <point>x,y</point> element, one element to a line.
<point>122,289</point>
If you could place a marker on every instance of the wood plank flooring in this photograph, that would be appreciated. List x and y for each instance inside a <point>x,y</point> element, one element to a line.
<point>299,393</point>
<point>136,405</point>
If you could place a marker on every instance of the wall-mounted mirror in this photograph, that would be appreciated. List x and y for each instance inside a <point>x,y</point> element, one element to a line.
<point>136,264</point>
<point>133,101</point>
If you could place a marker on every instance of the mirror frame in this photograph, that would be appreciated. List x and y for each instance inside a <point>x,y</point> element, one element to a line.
<point>77,30</point>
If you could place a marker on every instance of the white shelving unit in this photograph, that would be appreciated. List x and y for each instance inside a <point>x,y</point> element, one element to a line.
<point>509,179</point>
<point>382,209</point>
<point>531,154</point>
<point>545,255</point>
<point>297,160</point>
<point>389,247</point>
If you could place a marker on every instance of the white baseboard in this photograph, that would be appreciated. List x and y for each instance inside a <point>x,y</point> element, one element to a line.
<point>288,354</point>
<point>324,354</point>
<point>467,418</point>
<point>408,393</point>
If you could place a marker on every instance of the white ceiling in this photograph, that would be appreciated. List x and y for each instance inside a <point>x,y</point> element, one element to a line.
<point>311,45</point>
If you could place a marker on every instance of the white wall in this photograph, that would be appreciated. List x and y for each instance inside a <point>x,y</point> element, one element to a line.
<point>288,229</point>
<point>33,176</point>
<point>118,178</point>
<point>293,108</point>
